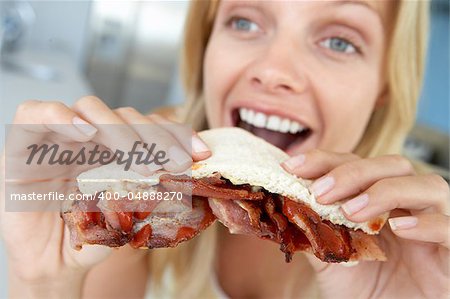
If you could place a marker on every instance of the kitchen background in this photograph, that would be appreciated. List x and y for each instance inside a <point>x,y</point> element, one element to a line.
<point>126,52</point>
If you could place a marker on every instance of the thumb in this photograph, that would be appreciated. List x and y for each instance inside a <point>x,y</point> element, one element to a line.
<point>85,258</point>
<point>317,264</point>
<point>325,270</point>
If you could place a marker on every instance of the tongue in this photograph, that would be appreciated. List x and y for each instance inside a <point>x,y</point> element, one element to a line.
<point>280,140</point>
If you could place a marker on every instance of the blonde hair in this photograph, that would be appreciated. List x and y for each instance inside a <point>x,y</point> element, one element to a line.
<point>385,134</point>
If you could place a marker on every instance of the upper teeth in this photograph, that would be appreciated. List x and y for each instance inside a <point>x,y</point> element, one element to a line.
<point>270,122</point>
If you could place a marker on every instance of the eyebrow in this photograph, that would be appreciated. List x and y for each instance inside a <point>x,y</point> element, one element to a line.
<point>229,5</point>
<point>359,3</point>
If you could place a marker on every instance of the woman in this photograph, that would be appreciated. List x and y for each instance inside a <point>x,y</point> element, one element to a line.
<point>349,73</point>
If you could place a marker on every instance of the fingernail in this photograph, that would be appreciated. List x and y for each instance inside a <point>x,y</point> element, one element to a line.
<point>152,167</point>
<point>403,222</point>
<point>198,146</point>
<point>179,156</point>
<point>292,163</point>
<point>322,186</point>
<point>85,128</point>
<point>356,204</point>
<point>141,169</point>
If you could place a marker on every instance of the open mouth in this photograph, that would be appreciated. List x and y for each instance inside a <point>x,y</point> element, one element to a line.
<point>279,131</point>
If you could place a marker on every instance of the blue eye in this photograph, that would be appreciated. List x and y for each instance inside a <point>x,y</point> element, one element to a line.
<point>243,24</point>
<point>339,45</point>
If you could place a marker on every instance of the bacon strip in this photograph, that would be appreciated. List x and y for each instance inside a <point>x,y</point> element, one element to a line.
<point>214,187</point>
<point>293,225</point>
<point>91,228</point>
<point>328,242</point>
<point>118,218</point>
<point>159,229</point>
<point>296,227</point>
<point>118,213</point>
<point>169,228</point>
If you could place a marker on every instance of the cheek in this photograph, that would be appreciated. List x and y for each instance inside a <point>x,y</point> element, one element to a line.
<point>209,92</point>
<point>218,76</point>
<point>347,112</point>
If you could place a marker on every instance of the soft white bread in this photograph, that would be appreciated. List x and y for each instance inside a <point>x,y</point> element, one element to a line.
<point>243,158</point>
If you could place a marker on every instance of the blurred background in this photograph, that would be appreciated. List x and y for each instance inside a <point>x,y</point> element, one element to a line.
<point>126,52</point>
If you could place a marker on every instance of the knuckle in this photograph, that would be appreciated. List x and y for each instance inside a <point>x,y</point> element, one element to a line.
<point>163,139</point>
<point>27,276</point>
<point>155,117</point>
<point>54,109</point>
<point>25,106</point>
<point>402,163</point>
<point>126,110</point>
<point>385,183</point>
<point>381,188</point>
<point>352,170</point>
<point>353,157</point>
<point>87,101</point>
<point>439,184</point>
<point>316,153</point>
<point>34,276</point>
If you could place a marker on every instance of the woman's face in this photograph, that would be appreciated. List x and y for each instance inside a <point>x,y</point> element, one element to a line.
<point>300,74</point>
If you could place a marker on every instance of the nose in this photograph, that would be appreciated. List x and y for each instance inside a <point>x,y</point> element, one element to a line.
<point>276,70</point>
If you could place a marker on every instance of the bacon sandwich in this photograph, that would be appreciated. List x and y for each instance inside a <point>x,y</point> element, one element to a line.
<point>242,185</point>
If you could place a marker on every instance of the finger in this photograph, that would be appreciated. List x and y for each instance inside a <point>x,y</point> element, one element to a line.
<point>153,134</point>
<point>113,132</point>
<point>316,163</point>
<point>86,258</point>
<point>419,193</point>
<point>35,119</point>
<point>199,149</point>
<point>356,176</point>
<point>433,228</point>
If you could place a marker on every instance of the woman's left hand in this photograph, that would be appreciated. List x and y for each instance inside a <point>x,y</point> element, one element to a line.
<point>417,241</point>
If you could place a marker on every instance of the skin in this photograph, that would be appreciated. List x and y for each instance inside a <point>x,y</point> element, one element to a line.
<point>286,68</point>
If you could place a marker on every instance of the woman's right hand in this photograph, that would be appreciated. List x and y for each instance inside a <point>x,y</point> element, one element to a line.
<point>41,260</point>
